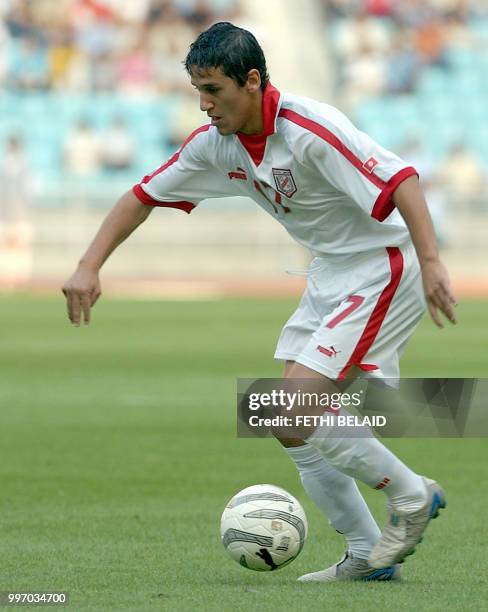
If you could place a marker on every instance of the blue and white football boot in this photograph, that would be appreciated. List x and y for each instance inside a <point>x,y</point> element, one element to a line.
<point>404,530</point>
<point>351,568</point>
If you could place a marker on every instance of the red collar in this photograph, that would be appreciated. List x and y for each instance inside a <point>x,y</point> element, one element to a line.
<point>256,143</point>
<point>270,103</point>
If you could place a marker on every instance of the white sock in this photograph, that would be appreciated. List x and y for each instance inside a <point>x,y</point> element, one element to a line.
<point>338,496</point>
<point>366,459</point>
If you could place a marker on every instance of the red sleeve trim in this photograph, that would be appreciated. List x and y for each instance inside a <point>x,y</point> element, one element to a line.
<point>384,205</point>
<point>142,196</point>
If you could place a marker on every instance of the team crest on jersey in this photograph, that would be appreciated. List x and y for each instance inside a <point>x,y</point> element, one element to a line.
<point>284,182</point>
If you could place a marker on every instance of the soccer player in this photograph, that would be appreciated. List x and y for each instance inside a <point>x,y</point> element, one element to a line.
<point>360,211</point>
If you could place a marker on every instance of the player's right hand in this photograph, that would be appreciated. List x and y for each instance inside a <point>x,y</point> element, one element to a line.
<point>82,290</point>
<point>438,293</point>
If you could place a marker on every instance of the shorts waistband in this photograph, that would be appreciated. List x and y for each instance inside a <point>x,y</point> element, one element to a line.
<point>351,260</point>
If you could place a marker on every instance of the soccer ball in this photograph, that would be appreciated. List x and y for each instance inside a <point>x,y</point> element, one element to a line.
<point>263,527</point>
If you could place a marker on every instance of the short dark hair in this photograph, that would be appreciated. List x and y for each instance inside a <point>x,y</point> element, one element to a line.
<point>234,50</point>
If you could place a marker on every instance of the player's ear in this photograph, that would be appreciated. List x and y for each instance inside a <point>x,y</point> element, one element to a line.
<point>253,83</point>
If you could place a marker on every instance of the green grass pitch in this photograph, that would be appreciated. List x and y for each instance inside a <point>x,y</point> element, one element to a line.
<point>118,453</point>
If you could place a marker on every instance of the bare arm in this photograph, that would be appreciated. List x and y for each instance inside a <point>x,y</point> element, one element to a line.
<point>82,289</point>
<point>410,201</point>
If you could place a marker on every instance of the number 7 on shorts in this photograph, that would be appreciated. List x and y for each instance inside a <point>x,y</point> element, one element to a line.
<point>356,301</point>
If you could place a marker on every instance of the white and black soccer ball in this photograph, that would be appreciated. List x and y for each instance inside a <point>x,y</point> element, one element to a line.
<point>263,527</point>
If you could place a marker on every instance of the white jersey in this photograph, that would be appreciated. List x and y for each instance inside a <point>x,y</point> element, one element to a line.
<point>329,184</point>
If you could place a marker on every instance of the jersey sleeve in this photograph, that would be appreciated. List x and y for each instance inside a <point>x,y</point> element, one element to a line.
<point>187,178</point>
<point>354,163</point>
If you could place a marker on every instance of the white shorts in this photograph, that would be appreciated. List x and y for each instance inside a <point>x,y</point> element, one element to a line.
<point>358,310</point>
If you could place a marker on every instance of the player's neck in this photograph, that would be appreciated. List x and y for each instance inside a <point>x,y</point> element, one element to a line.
<point>254,125</point>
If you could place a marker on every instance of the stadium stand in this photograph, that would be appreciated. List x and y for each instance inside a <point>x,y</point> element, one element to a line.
<point>422,71</point>
<point>409,73</point>
<point>94,61</point>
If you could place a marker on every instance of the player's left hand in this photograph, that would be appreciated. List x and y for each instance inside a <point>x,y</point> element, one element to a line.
<point>438,293</point>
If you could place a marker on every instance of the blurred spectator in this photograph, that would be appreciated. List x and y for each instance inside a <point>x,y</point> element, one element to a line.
<point>431,42</point>
<point>169,35</point>
<point>201,15</point>
<point>364,76</point>
<point>339,8</point>
<point>15,226</point>
<point>61,53</point>
<point>130,11</point>
<point>103,74</point>
<point>117,150</point>
<point>379,8</point>
<point>414,13</point>
<point>82,151</point>
<point>80,72</point>
<point>170,75</point>
<point>158,9</point>
<point>135,70</point>
<point>463,179</point>
<point>403,65</point>
<point>93,29</point>
<point>359,33</point>
<point>29,68</point>
<point>19,20</point>
<point>457,27</point>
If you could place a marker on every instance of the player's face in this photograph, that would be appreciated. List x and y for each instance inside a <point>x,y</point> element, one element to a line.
<point>231,107</point>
